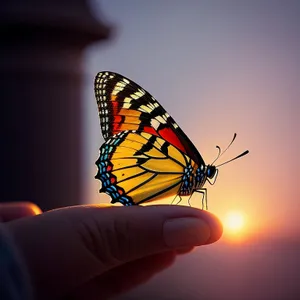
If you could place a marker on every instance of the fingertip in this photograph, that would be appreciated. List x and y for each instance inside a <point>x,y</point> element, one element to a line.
<point>212,221</point>
<point>31,209</point>
<point>14,210</point>
<point>215,225</point>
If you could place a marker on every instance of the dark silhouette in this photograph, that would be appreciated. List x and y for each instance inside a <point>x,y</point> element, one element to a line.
<point>40,84</point>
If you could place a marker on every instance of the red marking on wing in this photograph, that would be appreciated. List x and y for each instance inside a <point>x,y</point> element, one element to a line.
<point>169,135</point>
<point>150,130</point>
<point>116,127</point>
<point>115,107</point>
<point>117,123</point>
<point>117,119</point>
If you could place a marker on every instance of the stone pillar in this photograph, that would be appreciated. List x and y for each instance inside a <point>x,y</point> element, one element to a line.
<point>42,44</point>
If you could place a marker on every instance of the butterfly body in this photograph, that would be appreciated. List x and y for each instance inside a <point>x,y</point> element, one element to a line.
<point>146,156</point>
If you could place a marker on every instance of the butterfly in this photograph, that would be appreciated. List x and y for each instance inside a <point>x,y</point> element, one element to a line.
<point>146,156</point>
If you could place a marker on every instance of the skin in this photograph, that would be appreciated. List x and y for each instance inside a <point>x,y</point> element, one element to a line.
<point>96,252</point>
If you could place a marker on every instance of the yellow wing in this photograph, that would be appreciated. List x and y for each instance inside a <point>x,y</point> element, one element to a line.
<point>136,167</point>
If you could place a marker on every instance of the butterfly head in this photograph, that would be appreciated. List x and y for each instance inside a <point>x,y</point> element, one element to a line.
<point>211,171</point>
<point>204,173</point>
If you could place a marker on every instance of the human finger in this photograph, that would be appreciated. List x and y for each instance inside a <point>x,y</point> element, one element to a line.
<point>14,210</point>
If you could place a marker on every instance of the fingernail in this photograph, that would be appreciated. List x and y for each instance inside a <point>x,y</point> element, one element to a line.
<point>181,232</point>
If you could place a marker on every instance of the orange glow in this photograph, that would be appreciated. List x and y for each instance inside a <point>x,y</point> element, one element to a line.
<point>34,208</point>
<point>234,222</point>
<point>235,229</point>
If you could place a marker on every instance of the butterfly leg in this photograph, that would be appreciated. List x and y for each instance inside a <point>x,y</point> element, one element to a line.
<point>178,201</point>
<point>189,202</point>
<point>204,197</point>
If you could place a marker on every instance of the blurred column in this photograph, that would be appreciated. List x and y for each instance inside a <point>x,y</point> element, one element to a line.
<point>41,53</point>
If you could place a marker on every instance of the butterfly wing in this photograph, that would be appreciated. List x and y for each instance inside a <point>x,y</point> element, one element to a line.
<point>124,105</point>
<point>136,167</point>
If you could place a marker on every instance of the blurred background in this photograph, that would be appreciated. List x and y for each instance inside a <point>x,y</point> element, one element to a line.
<point>218,67</point>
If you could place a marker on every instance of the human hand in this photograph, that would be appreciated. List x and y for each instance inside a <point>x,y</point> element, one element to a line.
<point>92,252</point>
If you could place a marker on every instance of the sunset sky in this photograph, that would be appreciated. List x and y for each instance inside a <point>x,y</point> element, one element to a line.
<point>218,67</point>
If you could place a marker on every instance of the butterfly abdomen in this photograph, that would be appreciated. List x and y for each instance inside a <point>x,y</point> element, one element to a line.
<point>200,177</point>
<point>193,179</point>
<point>187,181</point>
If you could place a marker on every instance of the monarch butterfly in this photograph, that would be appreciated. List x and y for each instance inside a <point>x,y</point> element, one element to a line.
<point>146,156</point>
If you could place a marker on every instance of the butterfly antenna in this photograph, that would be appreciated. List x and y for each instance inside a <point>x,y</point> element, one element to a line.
<point>234,136</point>
<point>220,154</point>
<point>217,155</point>
<point>244,153</point>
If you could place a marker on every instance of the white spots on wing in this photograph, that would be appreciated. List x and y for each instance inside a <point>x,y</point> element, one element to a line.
<point>156,104</point>
<point>154,123</point>
<point>138,94</point>
<point>165,116</point>
<point>148,108</point>
<point>150,105</point>
<point>127,100</point>
<point>141,92</point>
<point>126,105</point>
<point>161,119</point>
<point>145,108</point>
<point>118,87</point>
<point>115,92</point>
<point>121,84</point>
<point>126,80</point>
<point>175,125</point>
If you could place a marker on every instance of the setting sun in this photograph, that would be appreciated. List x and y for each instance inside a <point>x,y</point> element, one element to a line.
<point>234,221</point>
